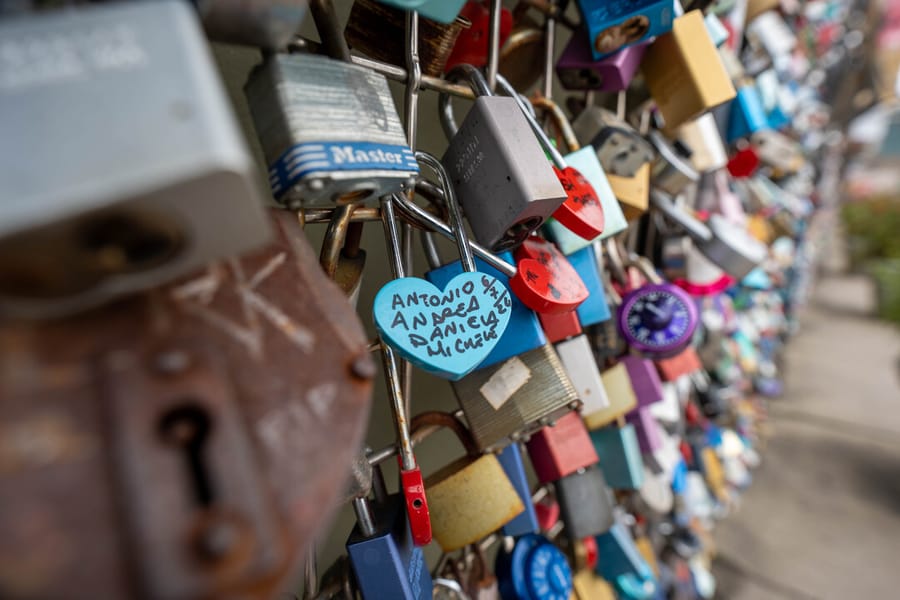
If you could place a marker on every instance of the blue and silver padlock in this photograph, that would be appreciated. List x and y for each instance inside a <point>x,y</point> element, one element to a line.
<point>533,569</point>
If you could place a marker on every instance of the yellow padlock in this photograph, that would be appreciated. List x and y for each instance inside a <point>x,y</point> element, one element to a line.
<point>645,547</point>
<point>587,585</point>
<point>714,474</point>
<point>633,193</point>
<point>760,228</point>
<point>471,497</point>
<point>621,394</point>
<point>684,73</point>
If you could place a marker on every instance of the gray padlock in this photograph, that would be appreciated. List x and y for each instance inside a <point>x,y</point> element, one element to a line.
<point>510,401</point>
<point>620,149</point>
<point>505,184</point>
<point>329,131</point>
<point>729,246</point>
<point>586,504</point>
<point>123,166</point>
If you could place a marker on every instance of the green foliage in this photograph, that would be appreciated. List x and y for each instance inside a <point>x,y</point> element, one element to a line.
<point>873,240</point>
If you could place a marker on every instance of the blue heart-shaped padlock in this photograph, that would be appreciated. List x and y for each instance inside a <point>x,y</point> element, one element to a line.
<point>447,333</point>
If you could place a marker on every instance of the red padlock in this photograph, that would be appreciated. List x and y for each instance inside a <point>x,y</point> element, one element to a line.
<point>472,44</point>
<point>560,327</point>
<point>545,281</point>
<point>744,162</point>
<point>562,449</point>
<point>683,363</point>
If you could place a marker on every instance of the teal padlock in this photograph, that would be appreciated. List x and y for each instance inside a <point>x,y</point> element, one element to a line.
<point>442,11</point>
<point>445,332</point>
<point>747,114</point>
<point>586,161</point>
<point>620,456</point>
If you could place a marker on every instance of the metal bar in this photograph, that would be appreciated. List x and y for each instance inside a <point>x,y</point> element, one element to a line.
<point>428,82</point>
<point>329,29</point>
<point>493,58</point>
<point>392,237</point>
<point>360,214</point>
<point>456,219</point>
<point>395,393</point>
<point>549,51</point>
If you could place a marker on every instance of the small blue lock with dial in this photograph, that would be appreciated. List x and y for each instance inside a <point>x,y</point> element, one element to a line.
<point>534,569</point>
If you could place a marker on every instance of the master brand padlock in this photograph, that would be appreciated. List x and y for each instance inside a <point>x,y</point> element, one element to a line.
<point>586,161</point>
<point>614,25</point>
<point>379,31</point>
<point>471,497</point>
<point>147,200</point>
<point>532,568</point>
<point>620,456</point>
<point>442,11</point>
<point>385,561</point>
<point>561,449</point>
<point>585,503</point>
<point>621,397</point>
<point>329,131</point>
<point>577,69</point>
<point>684,73</point>
<point>504,182</point>
<point>511,460</point>
<point>578,360</point>
<point>509,401</point>
<point>269,24</point>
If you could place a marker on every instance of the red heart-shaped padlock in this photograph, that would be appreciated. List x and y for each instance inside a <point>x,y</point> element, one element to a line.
<point>743,163</point>
<point>581,213</point>
<point>545,282</point>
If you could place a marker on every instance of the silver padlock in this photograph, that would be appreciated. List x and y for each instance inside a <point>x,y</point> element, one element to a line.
<point>505,184</point>
<point>123,166</point>
<point>580,365</point>
<point>672,170</point>
<point>510,401</point>
<point>329,131</point>
<point>729,246</point>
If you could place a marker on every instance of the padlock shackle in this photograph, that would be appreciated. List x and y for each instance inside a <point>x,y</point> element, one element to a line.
<point>434,418</point>
<point>645,266</point>
<point>457,225</point>
<point>559,119</point>
<point>527,111</point>
<point>667,152</point>
<point>392,238</point>
<point>478,84</point>
<point>423,218</point>
<point>697,231</point>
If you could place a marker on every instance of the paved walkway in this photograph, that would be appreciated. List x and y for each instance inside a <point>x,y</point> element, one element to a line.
<point>822,518</point>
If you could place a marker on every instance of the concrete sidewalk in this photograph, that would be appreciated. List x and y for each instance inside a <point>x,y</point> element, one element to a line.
<point>822,517</point>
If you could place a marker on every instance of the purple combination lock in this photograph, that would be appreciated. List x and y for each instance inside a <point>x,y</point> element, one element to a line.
<point>577,69</point>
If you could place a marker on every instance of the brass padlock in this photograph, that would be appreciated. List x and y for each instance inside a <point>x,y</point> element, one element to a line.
<point>633,193</point>
<point>471,497</point>
<point>621,397</point>
<point>684,73</point>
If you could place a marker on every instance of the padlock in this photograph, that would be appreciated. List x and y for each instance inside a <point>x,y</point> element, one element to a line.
<point>524,51</point>
<point>622,565</point>
<point>621,397</point>
<point>481,583</point>
<point>578,360</point>
<point>471,46</point>
<point>684,363</point>
<point>509,401</point>
<point>707,149</point>
<point>532,567</point>
<point>727,245</point>
<point>644,380</point>
<point>718,33</point>
<point>646,428</point>
<point>511,460</point>
<point>561,449</point>
<point>684,73</point>
<point>620,456</point>
<point>587,585</point>
<point>566,288</point>
<point>446,331</point>
<point>178,445</point>
<point>585,502</point>
<point>746,115</point>
<point>711,467</point>
<point>147,200</point>
<point>471,497</point>
<point>621,150</point>
<point>577,69</point>
<point>657,319</point>
<point>560,327</point>
<point>386,562</point>
<point>586,161</point>
<point>744,162</point>
<point>587,263</point>
<point>329,131</point>
<point>672,170</point>
<point>581,213</point>
<point>442,11</point>
<point>611,26</point>
<point>702,277</point>
<point>633,193</point>
<point>342,260</point>
<point>269,24</point>
<point>379,31</point>
<point>778,151</point>
<point>504,183</point>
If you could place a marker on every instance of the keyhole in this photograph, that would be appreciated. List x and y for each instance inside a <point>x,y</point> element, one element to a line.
<point>187,428</point>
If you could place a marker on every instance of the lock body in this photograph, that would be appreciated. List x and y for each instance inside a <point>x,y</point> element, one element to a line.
<point>329,131</point>
<point>379,30</point>
<point>526,522</point>
<point>620,456</point>
<point>620,149</point>
<point>614,25</point>
<point>147,200</point>
<point>595,309</point>
<point>707,149</point>
<point>747,114</point>
<point>269,24</point>
<point>672,170</point>
<point>683,363</point>
<point>387,564</point>
<point>577,68</point>
<point>512,400</point>
<point>621,397</point>
<point>684,73</point>
<point>442,11</point>
<point>471,46</point>
<point>578,360</point>
<point>561,449</point>
<point>644,380</point>
<point>506,186</point>
<point>646,428</point>
<point>533,568</point>
<point>633,193</point>
<point>585,503</point>
<point>622,564</point>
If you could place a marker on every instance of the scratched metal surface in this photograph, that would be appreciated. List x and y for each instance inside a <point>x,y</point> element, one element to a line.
<point>96,501</point>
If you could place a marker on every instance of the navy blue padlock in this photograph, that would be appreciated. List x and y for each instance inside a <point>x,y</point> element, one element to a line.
<point>620,563</point>
<point>595,309</point>
<point>511,461</point>
<point>523,333</point>
<point>385,561</point>
<point>533,569</point>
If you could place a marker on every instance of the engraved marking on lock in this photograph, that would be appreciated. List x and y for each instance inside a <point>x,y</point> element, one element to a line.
<point>508,380</point>
<point>194,296</point>
<point>33,60</point>
<point>42,441</point>
<point>470,158</point>
<point>296,418</point>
